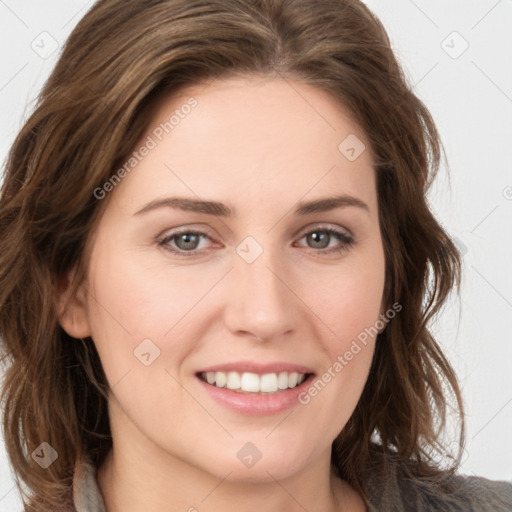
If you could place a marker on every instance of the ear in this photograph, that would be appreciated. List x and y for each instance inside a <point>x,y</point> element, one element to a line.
<point>72,307</point>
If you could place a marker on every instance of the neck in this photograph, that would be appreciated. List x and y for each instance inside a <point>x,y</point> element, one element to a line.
<point>131,481</point>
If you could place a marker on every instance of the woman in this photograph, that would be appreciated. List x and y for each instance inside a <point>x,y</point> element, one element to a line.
<point>220,266</point>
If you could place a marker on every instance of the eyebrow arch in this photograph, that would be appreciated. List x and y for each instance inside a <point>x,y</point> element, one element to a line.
<point>189,204</point>
<point>221,210</point>
<point>330,203</point>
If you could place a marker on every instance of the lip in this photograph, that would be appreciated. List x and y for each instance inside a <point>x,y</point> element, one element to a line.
<point>256,404</point>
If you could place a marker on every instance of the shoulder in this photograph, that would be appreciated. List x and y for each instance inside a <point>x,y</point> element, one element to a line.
<point>486,495</point>
<point>394,487</point>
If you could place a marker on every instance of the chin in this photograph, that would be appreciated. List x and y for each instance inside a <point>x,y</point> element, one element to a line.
<point>250,465</point>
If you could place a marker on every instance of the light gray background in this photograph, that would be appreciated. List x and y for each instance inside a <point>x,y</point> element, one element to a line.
<point>470,96</point>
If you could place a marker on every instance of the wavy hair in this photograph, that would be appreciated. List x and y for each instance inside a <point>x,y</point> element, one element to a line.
<point>120,59</point>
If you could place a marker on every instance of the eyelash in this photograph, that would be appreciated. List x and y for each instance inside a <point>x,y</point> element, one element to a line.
<point>347,241</point>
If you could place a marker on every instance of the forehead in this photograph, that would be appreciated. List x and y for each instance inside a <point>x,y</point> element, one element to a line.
<point>252,138</point>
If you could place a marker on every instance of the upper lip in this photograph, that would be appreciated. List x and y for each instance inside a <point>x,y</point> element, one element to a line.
<point>258,368</point>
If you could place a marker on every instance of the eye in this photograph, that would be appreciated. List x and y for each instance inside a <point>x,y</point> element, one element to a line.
<point>187,242</point>
<point>183,243</point>
<point>320,240</point>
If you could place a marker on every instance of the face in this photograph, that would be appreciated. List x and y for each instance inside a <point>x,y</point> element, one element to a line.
<point>241,249</point>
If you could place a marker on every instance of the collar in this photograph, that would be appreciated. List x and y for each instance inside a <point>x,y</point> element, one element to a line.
<point>86,494</point>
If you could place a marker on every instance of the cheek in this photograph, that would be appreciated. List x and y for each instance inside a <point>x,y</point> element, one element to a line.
<point>351,311</point>
<point>131,303</point>
<point>143,294</point>
<point>349,300</point>
<point>137,316</point>
<point>349,304</point>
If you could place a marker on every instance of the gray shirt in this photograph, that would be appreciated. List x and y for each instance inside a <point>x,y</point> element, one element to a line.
<point>394,493</point>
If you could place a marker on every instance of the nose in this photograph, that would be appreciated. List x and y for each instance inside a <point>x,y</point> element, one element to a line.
<point>260,300</point>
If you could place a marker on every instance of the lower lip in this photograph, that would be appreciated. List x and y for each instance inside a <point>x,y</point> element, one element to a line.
<point>256,404</point>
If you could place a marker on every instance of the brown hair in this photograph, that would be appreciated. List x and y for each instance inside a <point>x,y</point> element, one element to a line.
<point>122,56</point>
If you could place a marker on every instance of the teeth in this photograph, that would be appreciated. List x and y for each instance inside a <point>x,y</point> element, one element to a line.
<point>220,379</point>
<point>254,383</point>
<point>292,379</point>
<point>268,383</point>
<point>233,381</point>
<point>250,382</point>
<point>282,380</point>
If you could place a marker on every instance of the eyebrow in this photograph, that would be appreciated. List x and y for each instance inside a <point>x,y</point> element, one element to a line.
<point>221,210</point>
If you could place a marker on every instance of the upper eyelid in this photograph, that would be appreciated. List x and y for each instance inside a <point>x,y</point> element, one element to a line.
<point>204,231</point>
<point>323,226</point>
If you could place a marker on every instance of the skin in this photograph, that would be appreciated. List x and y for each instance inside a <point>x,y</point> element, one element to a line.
<point>259,145</point>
